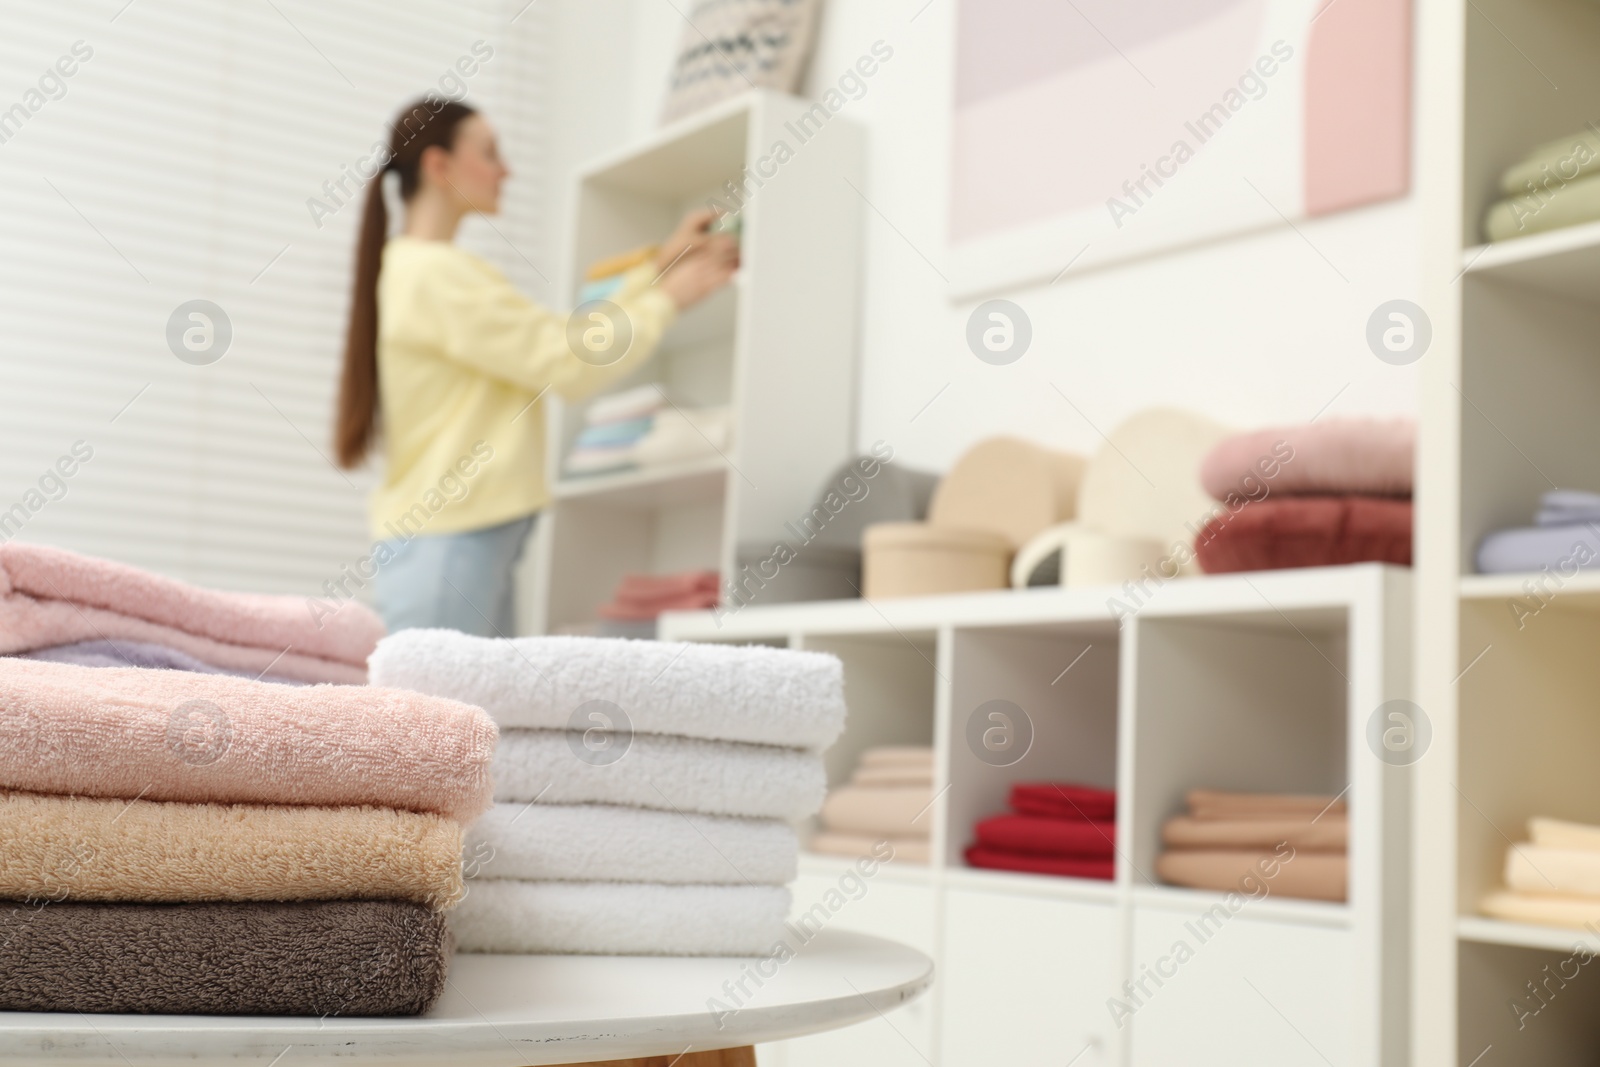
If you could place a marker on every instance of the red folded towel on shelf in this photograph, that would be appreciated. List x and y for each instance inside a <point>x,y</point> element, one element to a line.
<point>1063,800</point>
<point>1041,836</point>
<point>1059,866</point>
<point>640,597</point>
<point>1310,531</point>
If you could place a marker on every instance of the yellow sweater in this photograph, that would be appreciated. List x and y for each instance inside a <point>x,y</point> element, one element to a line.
<point>463,362</point>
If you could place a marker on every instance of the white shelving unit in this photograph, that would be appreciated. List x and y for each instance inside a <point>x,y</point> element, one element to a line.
<point>778,346</point>
<point>1510,390</point>
<point>1257,682</point>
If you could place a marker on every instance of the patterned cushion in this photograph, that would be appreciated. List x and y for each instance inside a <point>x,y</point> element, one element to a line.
<point>735,45</point>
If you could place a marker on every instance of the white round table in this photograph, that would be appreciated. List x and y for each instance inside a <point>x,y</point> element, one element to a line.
<point>521,1011</point>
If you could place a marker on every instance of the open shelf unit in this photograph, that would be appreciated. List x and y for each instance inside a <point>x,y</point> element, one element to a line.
<point>1253,682</point>
<point>777,347</point>
<point>1506,670</point>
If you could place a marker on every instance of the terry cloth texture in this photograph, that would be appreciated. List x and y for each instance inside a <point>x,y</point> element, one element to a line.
<point>44,573</point>
<point>1063,800</point>
<point>126,654</point>
<point>718,692</point>
<point>669,773</point>
<point>660,771</point>
<point>888,811</point>
<point>171,735</point>
<point>1287,532</point>
<point>1309,875</point>
<point>81,848</point>
<point>1331,833</point>
<point>1369,457</point>
<point>602,843</point>
<point>324,958</point>
<point>906,849</point>
<point>1059,866</point>
<point>1043,836</point>
<point>631,919</point>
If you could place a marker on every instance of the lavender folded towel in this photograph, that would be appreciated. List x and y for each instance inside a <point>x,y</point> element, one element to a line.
<point>137,654</point>
<point>315,958</point>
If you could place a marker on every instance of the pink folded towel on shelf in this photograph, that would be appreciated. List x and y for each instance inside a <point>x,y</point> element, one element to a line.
<point>1373,457</point>
<point>49,596</point>
<point>172,735</point>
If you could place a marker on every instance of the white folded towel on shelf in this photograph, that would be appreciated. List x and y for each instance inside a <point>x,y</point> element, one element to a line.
<point>681,435</point>
<point>750,693</point>
<point>669,773</point>
<point>619,918</point>
<point>603,843</point>
<point>634,403</point>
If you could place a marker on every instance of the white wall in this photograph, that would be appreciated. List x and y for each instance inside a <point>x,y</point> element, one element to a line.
<point>1249,330</point>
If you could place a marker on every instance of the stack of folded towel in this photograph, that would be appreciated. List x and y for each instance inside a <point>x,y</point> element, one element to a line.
<point>1565,537</point>
<point>191,843</point>
<point>1229,838</point>
<point>1326,493</point>
<point>643,597</point>
<point>639,428</point>
<point>606,277</point>
<point>1554,186</point>
<point>644,790</point>
<point>1057,828</point>
<point>887,799</point>
<point>1553,879</point>
<point>58,605</point>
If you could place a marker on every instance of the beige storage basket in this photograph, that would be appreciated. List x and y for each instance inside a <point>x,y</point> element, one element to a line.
<point>920,559</point>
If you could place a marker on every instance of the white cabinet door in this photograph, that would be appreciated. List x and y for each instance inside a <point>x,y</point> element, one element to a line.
<point>900,1038</point>
<point>1233,990</point>
<point>1025,981</point>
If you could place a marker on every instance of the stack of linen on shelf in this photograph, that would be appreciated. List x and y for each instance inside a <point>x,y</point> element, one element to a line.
<point>1553,879</point>
<point>1057,828</point>
<point>639,428</point>
<point>606,277</point>
<point>1554,186</point>
<point>190,843</point>
<point>1295,845</point>
<point>640,599</point>
<point>889,798</point>
<point>1565,538</point>
<point>60,606</point>
<point>644,790</point>
<point>1326,493</point>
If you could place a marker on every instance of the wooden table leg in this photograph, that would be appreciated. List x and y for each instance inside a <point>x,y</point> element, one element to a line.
<point>726,1057</point>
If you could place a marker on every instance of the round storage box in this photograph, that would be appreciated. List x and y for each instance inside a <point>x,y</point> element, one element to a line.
<point>920,559</point>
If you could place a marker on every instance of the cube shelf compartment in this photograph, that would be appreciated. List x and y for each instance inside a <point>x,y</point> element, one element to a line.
<point>1253,682</point>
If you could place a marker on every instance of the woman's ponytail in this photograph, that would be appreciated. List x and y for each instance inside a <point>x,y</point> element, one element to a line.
<point>425,124</point>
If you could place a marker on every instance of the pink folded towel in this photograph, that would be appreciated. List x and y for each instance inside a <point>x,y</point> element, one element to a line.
<point>49,596</point>
<point>172,735</point>
<point>1372,457</point>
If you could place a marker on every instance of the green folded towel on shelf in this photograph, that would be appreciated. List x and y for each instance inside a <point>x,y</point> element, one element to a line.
<point>1554,186</point>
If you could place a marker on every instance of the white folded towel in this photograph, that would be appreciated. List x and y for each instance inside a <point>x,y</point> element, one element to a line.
<point>766,696</point>
<point>657,771</point>
<point>603,843</point>
<point>620,918</point>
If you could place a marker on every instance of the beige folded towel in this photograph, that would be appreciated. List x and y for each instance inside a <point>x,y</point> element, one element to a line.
<point>1553,871</point>
<point>890,775</point>
<point>1309,875</point>
<point>898,756</point>
<point>888,811</point>
<point>81,848</point>
<point>1215,804</point>
<point>1558,833</point>
<point>906,849</point>
<point>1540,909</point>
<point>1331,833</point>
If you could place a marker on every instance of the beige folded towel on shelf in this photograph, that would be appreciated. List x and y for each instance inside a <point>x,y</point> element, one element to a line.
<point>1543,910</point>
<point>893,776</point>
<point>1558,833</point>
<point>906,849</point>
<point>898,756</point>
<point>1331,833</point>
<point>81,848</point>
<point>1540,869</point>
<point>1309,875</point>
<point>889,811</point>
<point>1215,804</point>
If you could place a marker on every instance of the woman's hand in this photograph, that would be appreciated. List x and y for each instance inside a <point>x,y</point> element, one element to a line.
<point>695,264</point>
<point>691,232</point>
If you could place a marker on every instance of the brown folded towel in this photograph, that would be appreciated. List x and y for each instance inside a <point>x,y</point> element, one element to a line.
<point>85,848</point>
<point>920,756</point>
<point>1215,804</point>
<point>884,810</point>
<point>1331,833</point>
<point>906,849</point>
<point>1310,875</point>
<point>324,958</point>
<point>892,776</point>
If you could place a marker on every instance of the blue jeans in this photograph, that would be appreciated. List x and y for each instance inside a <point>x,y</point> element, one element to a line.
<point>455,581</point>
